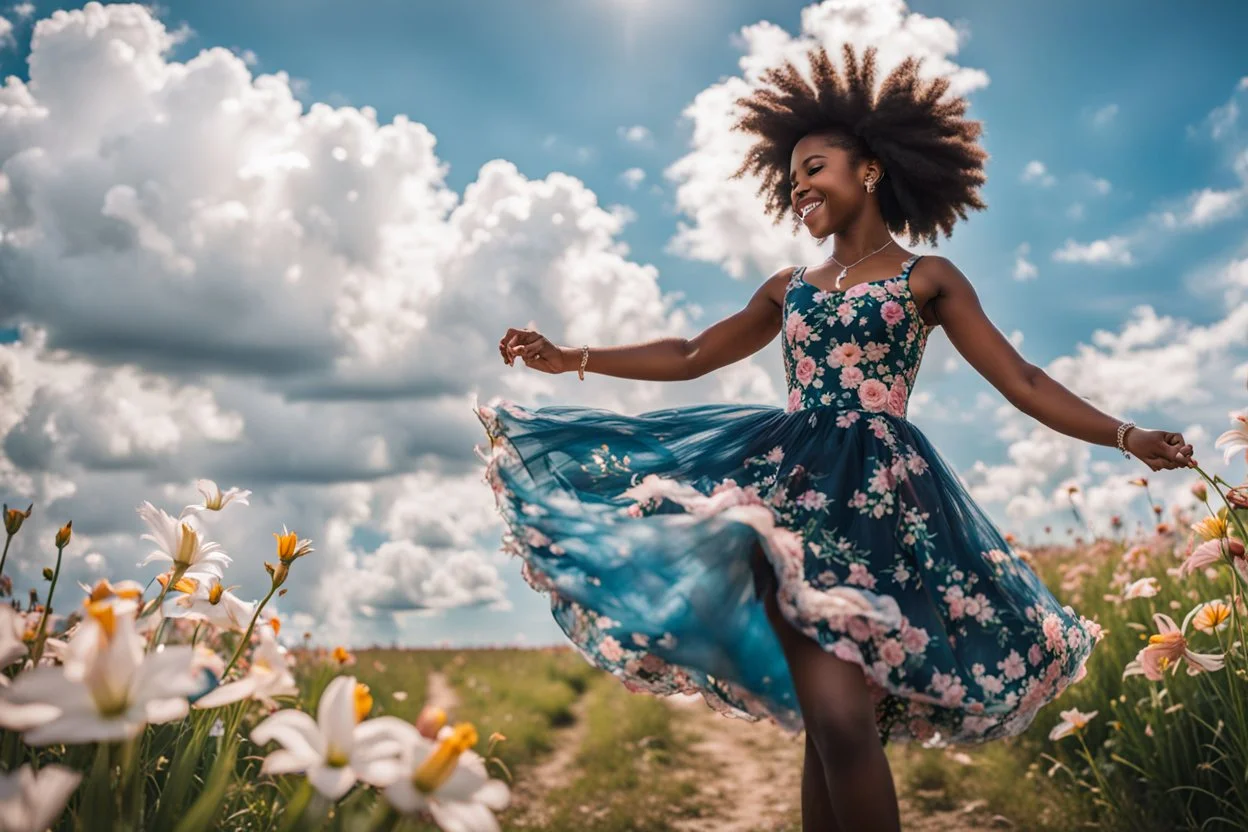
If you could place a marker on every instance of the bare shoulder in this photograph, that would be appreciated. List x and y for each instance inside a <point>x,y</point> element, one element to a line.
<point>775,286</point>
<point>933,278</point>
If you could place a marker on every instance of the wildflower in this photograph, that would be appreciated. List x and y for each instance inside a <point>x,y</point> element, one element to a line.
<point>430,721</point>
<point>1212,527</point>
<point>13,518</point>
<point>1235,439</point>
<point>268,676</point>
<point>180,544</point>
<point>1211,551</point>
<point>214,499</point>
<point>31,801</point>
<point>63,535</point>
<point>126,593</point>
<point>1167,648</point>
<point>107,690</point>
<point>12,628</point>
<point>448,779</point>
<point>343,657</point>
<point>1140,481</point>
<point>1143,588</point>
<point>1212,615</point>
<point>204,599</point>
<point>1238,496</point>
<point>1072,720</point>
<point>337,748</point>
<point>1200,491</point>
<point>289,547</point>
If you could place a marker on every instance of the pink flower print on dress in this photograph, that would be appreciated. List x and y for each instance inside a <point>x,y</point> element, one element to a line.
<point>795,400</point>
<point>851,377</point>
<point>846,312</point>
<point>610,649</point>
<point>875,351</point>
<point>859,576</point>
<point>892,312</point>
<point>873,394</point>
<point>845,355</point>
<point>893,653</point>
<point>1034,655</point>
<point>914,639</point>
<point>812,500</point>
<point>897,398</point>
<point>796,329</point>
<point>805,370</point>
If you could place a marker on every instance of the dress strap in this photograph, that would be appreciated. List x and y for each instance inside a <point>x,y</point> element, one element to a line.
<point>909,264</point>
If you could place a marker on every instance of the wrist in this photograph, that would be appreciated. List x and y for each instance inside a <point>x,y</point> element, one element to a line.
<point>569,359</point>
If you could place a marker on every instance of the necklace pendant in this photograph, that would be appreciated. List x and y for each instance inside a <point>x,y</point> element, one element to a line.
<point>841,277</point>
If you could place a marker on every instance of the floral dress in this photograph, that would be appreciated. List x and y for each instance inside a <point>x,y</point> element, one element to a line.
<point>646,531</point>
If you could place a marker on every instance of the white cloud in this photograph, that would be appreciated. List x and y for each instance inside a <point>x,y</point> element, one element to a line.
<point>1206,207</point>
<point>1035,172</point>
<point>1101,186</point>
<point>633,177</point>
<point>1113,251</point>
<point>6,33</point>
<point>213,282</point>
<point>1103,116</point>
<point>22,11</point>
<point>1023,268</point>
<point>636,135</point>
<point>726,223</point>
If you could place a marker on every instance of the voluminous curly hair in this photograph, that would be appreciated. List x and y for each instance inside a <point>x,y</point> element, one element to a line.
<point>933,164</point>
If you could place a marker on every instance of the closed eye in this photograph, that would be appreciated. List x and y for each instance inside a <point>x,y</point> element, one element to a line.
<point>810,172</point>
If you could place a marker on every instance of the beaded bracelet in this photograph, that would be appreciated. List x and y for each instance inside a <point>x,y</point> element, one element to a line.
<point>1122,432</point>
<point>580,373</point>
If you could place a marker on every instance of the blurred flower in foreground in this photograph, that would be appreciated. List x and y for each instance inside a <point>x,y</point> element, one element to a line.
<point>1235,439</point>
<point>12,648</point>
<point>1143,588</point>
<point>336,748</point>
<point>204,599</point>
<point>30,801</point>
<point>107,690</point>
<point>1072,720</point>
<point>1167,648</point>
<point>448,779</point>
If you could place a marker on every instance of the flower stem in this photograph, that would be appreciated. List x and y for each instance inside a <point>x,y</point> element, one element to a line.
<point>246,639</point>
<point>7,540</point>
<point>40,636</point>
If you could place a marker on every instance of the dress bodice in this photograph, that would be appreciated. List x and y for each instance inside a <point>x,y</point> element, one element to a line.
<point>857,349</point>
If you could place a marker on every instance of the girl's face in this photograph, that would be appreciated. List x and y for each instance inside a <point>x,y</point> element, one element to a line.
<point>822,177</point>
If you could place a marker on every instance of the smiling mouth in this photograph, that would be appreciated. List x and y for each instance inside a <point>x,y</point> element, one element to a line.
<point>810,208</point>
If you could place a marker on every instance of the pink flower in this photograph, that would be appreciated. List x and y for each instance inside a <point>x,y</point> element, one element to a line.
<point>859,630</point>
<point>845,355</point>
<point>892,652</point>
<point>914,639</point>
<point>892,312</point>
<point>1210,552</point>
<point>610,649</point>
<point>873,394</point>
<point>796,329</point>
<point>1167,648</point>
<point>1034,655</point>
<point>859,576</point>
<point>795,400</point>
<point>876,350</point>
<point>1012,666</point>
<point>851,377</point>
<point>897,398</point>
<point>812,499</point>
<point>805,370</point>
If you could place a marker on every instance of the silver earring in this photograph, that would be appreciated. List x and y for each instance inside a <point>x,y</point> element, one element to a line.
<point>870,185</point>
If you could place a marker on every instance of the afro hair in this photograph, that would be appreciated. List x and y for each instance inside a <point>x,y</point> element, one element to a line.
<point>932,161</point>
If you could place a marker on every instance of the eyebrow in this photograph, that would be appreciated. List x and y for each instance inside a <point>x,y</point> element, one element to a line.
<point>804,163</point>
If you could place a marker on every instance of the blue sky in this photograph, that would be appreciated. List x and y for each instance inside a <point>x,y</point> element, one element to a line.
<point>1112,99</point>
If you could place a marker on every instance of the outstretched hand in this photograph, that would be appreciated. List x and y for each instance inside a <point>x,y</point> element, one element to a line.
<point>533,348</point>
<point>1159,449</point>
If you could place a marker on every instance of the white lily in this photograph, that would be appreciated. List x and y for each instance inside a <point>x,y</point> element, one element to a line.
<point>107,690</point>
<point>214,499</point>
<point>205,599</point>
<point>1072,721</point>
<point>1143,588</point>
<point>12,648</point>
<point>179,543</point>
<point>1235,439</point>
<point>336,748</point>
<point>269,676</point>
<point>30,801</point>
<point>446,778</point>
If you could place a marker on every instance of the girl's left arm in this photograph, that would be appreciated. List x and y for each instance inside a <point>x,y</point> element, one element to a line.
<point>956,307</point>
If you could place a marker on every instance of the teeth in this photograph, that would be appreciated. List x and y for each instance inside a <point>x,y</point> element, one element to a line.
<point>810,207</point>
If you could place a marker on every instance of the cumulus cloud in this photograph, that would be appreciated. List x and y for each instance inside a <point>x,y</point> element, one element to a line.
<point>1112,251</point>
<point>212,281</point>
<point>1035,172</point>
<point>726,225</point>
<point>636,134</point>
<point>633,177</point>
<point>1024,269</point>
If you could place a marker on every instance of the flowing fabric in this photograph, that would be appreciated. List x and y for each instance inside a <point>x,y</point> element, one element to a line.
<point>646,533</point>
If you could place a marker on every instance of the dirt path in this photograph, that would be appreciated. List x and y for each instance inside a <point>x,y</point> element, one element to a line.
<point>529,807</point>
<point>752,778</point>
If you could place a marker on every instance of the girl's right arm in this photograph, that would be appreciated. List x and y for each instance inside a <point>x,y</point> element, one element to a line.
<point>666,359</point>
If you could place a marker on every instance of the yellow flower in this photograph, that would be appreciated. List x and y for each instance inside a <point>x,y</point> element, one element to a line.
<point>62,536</point>
<point>289,546</point>
<point>1212,528</point>
<point>1212,616</point>
<point>13,518</point>
<point>363,701</point>
<point>441,762</point>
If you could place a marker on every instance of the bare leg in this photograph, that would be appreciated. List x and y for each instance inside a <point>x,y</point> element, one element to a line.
<point>817,813</point>
<point>840,724</point>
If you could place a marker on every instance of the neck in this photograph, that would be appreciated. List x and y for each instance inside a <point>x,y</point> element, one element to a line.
<point>859,240</point>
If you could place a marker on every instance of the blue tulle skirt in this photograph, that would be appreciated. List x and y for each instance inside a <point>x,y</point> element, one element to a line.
<point>656,535</point>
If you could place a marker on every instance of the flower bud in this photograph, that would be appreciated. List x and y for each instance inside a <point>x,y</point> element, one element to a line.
<point>48,573</point>
<point>62,536</point>
<point>430,721</point>
<point>13,518</point>
<point>1200,491</point>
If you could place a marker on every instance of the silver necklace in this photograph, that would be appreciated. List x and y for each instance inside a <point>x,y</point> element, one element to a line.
<point>845,269</point>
